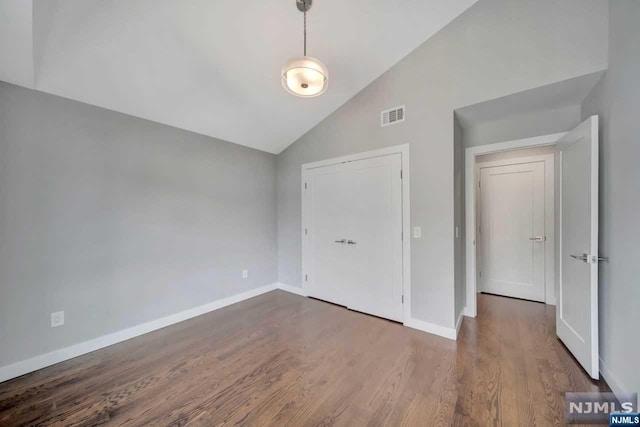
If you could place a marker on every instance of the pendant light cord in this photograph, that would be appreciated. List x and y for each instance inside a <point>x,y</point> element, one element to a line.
<point>305,32</point>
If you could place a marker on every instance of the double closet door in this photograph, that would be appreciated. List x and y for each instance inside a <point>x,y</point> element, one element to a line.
<point>352,240</point>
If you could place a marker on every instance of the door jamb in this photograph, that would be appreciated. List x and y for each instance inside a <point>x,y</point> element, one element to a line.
<point>404,152</point>
<point>470,155</point>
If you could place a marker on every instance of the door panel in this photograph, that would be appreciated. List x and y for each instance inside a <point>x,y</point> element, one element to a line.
<point>577,311</point>
<point>512,213</point>
<point>328,200</point>
<point>376,226</point>
<point>359,202</point>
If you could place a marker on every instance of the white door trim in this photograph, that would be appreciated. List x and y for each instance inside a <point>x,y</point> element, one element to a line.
<point>549,214</point>
<point>470,205</point>
<point>403,150</point>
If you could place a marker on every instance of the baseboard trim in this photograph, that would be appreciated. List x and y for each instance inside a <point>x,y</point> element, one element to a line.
<point>42,361</point>
<point>431,328</point>
<point>291,289</point>
<point>413,323</point>
<point>616,386</point>
<point>469,312</point>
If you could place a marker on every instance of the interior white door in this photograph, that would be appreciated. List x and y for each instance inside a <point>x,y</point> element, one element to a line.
<point>327,196</point>
<point>512,230</point>
<point>353,221</point>
<point>577,310</point>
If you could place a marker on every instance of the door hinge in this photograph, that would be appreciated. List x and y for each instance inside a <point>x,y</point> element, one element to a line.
<point>403,299</point>
<point>402,235</point>
<point>305,278</point>
<point>481,273</point>
<point>400,173</point>
<point>305,231</point>
<point>305,185</point>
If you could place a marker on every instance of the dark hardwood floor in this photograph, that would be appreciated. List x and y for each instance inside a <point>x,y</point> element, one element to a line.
<point>280,359</point>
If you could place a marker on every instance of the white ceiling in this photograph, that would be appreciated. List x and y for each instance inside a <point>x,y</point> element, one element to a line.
<point>211,66</point>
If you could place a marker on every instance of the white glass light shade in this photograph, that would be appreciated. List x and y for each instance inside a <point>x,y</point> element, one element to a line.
<point>305,76</point>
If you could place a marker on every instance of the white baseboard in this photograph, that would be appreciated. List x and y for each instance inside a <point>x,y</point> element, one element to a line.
<point>411,323</point>
<point>431,328</point>
<point>616,386</point>
<point>38,362</point>
<point>469,312</point>
<point>292,289</point>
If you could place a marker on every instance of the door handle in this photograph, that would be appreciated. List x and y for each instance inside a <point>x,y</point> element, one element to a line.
<point>583,258</point>
<point>538,238</point>
<point>351,242</point>
<point>594,259</point>
<point>343,241</point>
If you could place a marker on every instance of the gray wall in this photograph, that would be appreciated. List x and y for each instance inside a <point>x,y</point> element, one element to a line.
<point>513,127</point>
<point>616,99</point>
<point>118,221</point>
<point>495,48</point>
<point>522,152</point>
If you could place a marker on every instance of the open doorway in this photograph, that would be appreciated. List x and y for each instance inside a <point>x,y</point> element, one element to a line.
<point>516,173</point>
<point>515,223</point>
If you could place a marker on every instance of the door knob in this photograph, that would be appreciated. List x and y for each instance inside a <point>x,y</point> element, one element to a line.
<point>351,242</point>
<point>343,241</point>
<point>583,257</point>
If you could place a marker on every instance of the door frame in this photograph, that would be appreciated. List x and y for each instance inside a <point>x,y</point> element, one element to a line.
<point>549,214</point>
<point>471,309</point>
<point>404,152</point>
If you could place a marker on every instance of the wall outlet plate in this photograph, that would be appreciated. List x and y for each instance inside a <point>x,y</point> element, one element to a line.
<point>57,319</point>
<point>245,274</point>
<point>417,232</point>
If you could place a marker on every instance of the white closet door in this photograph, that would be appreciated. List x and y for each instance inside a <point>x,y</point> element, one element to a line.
<point>353,238</point>
<point>375,228</point>
<point>328,195</point>
<point>512,230</point>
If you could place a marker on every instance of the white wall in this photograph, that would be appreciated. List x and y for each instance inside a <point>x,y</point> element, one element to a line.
<point>616,99</point>
<point>118,221</point>
<point>495,48</point>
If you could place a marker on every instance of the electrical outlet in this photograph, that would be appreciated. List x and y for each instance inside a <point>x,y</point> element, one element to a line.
<point>417,232</point>
<point>245,274</point>
<point>57,319</point>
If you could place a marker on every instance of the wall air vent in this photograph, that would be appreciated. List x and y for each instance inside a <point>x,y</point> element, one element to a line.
<point>392,116</point>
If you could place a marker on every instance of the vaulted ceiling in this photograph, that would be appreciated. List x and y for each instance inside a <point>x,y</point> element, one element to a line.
<point>210,66</point>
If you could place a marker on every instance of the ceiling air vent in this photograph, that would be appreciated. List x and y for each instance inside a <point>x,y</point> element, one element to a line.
<point>392,116</point>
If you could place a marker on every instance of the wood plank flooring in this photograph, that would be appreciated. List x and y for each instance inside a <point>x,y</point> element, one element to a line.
<point>281,359</point>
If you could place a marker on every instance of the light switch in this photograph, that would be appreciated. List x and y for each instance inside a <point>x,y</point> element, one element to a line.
<point>417,232</point>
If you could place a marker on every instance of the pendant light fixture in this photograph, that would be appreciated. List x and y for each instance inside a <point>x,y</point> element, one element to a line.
<point>305,76</point>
